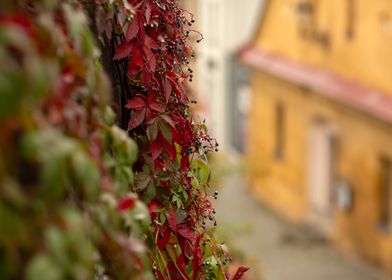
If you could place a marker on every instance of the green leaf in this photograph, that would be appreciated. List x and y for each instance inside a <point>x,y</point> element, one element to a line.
<point>165,130</point>
<point>150,193</point>
<point>168,120</point>
<point>86,175</point>
<point>185,194</point>
<point>177,201</point>
<point>202,171</point>
<point>43,267</point>
<point>152,131</point>
<point>109,116</point>
<point>140,213</point>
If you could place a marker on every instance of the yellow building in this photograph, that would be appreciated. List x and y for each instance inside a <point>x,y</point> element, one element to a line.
<point>320,128</point>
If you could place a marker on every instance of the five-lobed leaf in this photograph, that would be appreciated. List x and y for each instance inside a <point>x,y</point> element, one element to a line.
<point>137,118</point>
<point>136,103</point>
<point>123,50</point>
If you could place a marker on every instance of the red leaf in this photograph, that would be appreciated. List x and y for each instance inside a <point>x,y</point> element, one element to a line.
<point>136,119</point>
<point>156,147</point>
<point>240,272</point>
<point>171,150</point>
<point>176,135</point>
<point>164,239</point>
<point>184,163</point>
<point>125,204</point>
<point>137,57</point>
<point>136,63</point>
<point>181,266</point>
<point>136,103</point>
<point>178,90</point>
<point>154,205</point>
<point>187,136</point>
<point>186,231</point>
<point>154,104</point>
<point>196,258</point>
<point>167,88</point>
<point>148,11</point>
<point>150,114</point>
<point>157,107</point>
<point>150,43</point>
<point>133,29</point>
<point>147,77</point>
<point>172,220</point>
<point>123,50</point>
<point>151,59</point>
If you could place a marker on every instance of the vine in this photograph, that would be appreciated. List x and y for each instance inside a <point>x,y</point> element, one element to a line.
<point>66,168</point>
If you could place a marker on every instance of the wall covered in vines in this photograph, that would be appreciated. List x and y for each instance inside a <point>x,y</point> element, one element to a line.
<point>103,167</point>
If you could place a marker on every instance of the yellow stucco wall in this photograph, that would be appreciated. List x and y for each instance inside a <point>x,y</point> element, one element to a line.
<point>282,184</point>
<point>366,57</point>
<point>363,140</point>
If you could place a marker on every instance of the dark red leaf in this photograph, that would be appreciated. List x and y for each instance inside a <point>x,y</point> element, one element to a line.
<point>137,57</point>
<point>196,258</point>
<point>136,119</point>
<point>147,77</point>
<point>156,147</point>
<point>184,163</point>
<point>172,220</point>
<point>186,231</point>
<point>181,266</point>
<point>164,239</point>
<point>171,150</point>
<point>154,104</point>
<point>136,103</point>
<point>135,64</point>
<point>188,134</point>
<point>151,59</point>
<point>133,29</point>
<point>176,135</point>
<point>150,43</point>
<point>123,50</point>
<point>240,272</point>
<point>167,88</point>
<point>125,204</point>
<point>150,114</point>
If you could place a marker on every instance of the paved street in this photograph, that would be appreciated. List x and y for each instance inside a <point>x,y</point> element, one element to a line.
<point>282,252</point>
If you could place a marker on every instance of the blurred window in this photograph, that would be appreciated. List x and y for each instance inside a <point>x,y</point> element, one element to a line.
<point>350,19</point>
<point>305,13</point>
<point>280,115</point>
<point>385,193</point>
<point>385,21</point>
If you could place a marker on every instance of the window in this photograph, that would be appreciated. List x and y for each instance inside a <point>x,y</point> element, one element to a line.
<point>385,194</point>
<point>279,130</point>
<point>350,19</point>
<point>306,17</point>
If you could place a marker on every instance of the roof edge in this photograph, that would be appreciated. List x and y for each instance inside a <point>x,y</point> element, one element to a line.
<point>326,83</point>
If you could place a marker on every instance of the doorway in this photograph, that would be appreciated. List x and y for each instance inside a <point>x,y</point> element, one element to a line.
<point>322,173</point>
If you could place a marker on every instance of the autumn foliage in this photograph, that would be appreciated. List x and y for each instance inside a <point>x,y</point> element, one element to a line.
<point>77,200</point>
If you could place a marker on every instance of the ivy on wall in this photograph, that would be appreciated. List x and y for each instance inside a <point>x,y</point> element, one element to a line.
<point>78,197</point>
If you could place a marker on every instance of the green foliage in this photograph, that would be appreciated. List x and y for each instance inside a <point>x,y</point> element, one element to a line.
<point>65,168</point>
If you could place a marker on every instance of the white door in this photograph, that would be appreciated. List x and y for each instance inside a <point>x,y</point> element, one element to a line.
<point>322,160</point>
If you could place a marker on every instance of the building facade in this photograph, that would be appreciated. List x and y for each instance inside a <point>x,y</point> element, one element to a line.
<point>320,125</point>
<point>225,25</point>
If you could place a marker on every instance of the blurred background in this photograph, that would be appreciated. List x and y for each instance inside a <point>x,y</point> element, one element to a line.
<point>298,94</point>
